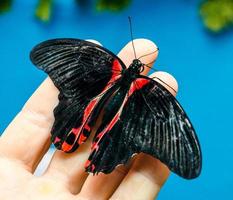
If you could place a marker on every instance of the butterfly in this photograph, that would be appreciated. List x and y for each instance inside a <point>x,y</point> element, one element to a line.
<point>139,115</point>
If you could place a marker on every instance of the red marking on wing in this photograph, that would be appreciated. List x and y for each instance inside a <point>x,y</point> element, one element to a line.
<point>116,66</point>
<point>57,139</point>
<point>89,108</point>
<point>137,85</point>
<point>66,147</point>
<point>87,163</point>
<point>82,139</point>
<point>87,127</point>
<point>75,130</point>
<point>78,131</point>
<point>92,167</point>
<point>95,145</point>
<point>116,74</point>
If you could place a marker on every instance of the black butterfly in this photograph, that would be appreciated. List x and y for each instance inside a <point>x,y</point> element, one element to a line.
<point>139,114</point>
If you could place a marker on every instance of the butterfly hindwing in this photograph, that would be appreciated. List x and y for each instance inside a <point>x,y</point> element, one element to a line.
<point>83,72</point>
<point>150,121</point>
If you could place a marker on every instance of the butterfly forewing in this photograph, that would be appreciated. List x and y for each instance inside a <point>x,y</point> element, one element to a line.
<point>83,72</point>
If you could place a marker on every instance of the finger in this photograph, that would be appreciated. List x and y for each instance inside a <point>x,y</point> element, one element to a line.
<point>103,186</point>
<point>27,137</point>
<point>167,80</point>
<point>147,174</point>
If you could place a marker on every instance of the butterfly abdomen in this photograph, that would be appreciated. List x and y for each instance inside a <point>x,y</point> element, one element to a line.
<point>112,105</point>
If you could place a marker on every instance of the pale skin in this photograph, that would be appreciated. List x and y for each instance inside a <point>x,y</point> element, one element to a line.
<point>27,139</point>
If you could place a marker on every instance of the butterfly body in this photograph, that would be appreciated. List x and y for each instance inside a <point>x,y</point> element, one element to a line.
<point>139,115</point>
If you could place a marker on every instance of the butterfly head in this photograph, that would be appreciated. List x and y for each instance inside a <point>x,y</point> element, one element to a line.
<point>136,66</point>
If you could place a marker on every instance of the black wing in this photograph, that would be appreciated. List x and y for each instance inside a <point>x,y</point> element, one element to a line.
<point>83,72</point>
<point>151,121</point>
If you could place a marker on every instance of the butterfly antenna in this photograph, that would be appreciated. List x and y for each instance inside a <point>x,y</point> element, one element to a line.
<point>157,49</point>
<point>148,64</point>
<point>131,33</point>
<point>150,67</point>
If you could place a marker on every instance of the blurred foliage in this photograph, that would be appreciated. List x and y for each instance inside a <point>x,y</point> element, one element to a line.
<point>5,5</point>
<point>112,5</point>
<point>44,9</point>
<point>83,3</point>
<point>217,15</point>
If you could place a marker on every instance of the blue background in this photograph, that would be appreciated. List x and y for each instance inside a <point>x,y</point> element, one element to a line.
<point>200,61</point>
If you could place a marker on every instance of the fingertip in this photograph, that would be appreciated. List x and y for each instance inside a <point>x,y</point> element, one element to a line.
<point>167,80</point>
<point>142,48</point>
<point>94,41</point>
<point>145,44</point>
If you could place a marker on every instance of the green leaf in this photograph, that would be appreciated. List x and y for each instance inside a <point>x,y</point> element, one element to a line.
<point>217,15</point>
<point>5,5</point>
<point>112,5</point>
<point>44,10</point>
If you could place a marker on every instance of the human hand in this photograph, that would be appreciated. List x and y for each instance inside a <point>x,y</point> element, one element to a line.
<point>27,139</point>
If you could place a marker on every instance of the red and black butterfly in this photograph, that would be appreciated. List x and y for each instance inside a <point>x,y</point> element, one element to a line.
<point>139,114</point>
